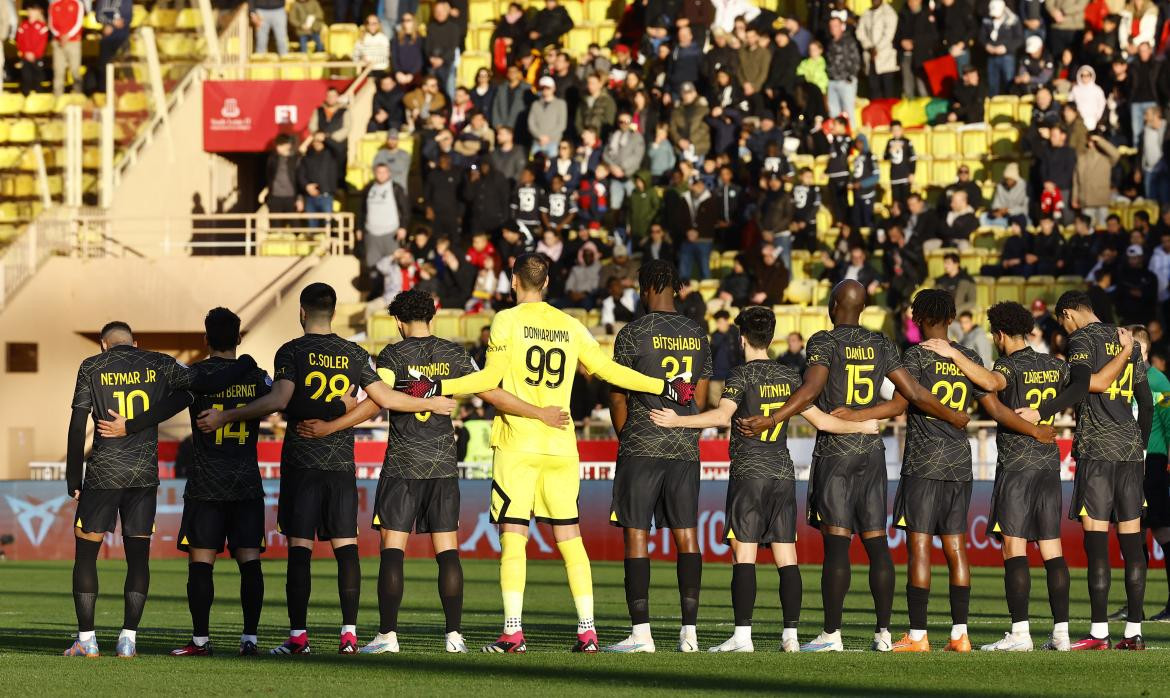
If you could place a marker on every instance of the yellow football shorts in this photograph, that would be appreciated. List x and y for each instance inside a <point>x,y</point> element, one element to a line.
<point>535,484</point>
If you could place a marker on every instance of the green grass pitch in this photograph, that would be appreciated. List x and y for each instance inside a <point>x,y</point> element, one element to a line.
<point>36,620</point>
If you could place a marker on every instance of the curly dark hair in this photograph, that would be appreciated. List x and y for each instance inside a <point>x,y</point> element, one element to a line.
<point>658,275</point>
<point>1072,300</point>
<point>1011,318</point>
<point>933,306</point>
<point>413,306</point>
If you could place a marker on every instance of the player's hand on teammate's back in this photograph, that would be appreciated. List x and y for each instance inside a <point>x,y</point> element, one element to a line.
<point>420,387</point>
<point>210,420</point>
<point>941,347</point>
<point>350,399</point>
<point>1045,433</point>
<point>753,426</point>
<point>664,418</point>
<point>1125,337</point>
<point>870,426</point>
<point>554,417</point>
<point>314,429</point>
<point>1028,414</point>
<point>678,391</point>
<point>845,413</point>
<point>113,428</point>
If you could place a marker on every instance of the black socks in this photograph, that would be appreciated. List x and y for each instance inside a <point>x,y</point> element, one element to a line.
<point>917,602</point>
<point>1133,550</point>
<point>743,592</point>
<point>349,582</point>
<point>790,594</point>
<point>451,588</point>
<point>835,579</point>
<point>200,595</point>
<point>1058,585</point>
<point>390,585</point>
<point>1097,553</point>
<point>85,582</point>
<point>1017,585</point>
<point>881,578</point>
<point>137,580</point>
<point>960,604</point>
<point>638,589</point>
<point>689,568</point>
<point>298,585</point>
<point>251,594</point>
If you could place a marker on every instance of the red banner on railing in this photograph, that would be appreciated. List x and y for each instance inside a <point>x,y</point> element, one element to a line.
<point>246,116</point>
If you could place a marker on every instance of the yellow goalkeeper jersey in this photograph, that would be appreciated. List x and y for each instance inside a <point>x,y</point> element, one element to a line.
<point>533,354</point>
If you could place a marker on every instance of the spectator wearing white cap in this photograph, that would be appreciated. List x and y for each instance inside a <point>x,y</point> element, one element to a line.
<point>1001,36</point>
<point>547,118</point>
<point>1036,67</point>
<point>1009,203</point>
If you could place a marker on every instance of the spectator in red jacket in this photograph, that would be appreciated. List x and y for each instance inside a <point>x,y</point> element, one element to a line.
<point>32,39</point>
<point>65,19</point>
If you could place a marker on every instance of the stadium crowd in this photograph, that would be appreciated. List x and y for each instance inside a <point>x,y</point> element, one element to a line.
<point>679,137</point>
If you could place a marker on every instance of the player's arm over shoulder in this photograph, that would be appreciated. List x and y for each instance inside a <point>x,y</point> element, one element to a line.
<point>496,365</point>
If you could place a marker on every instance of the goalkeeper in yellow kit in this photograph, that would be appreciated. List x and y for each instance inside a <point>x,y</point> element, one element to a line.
<point>533,352</point>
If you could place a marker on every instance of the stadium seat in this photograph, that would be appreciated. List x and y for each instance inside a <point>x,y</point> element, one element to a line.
<point>917,138</point>
<point>813,320</point>
<point>447,322</point>
<point>943,172</point>
<point>878,139</point>
<point>801,291</point>
<point>800,261</point>
<point>1001,109</point>
<point>357,176</point>
<point>787,320</point>
<point>1042,287</point>
<point>38,104</point>
<point>943,142</point>
<point>1024,112</point>
<point>875,318</point>
<point>189,18</point>
<point>22,131</point>
<point>161,18</point>
<point>604,10</point>
<point>296,70</point>
<point>482,12</point>
<point>342,38</point>
<point>479,38</point>
<point>68,100</point>
<point>973,142</point>
<point>1004,139</point>
<point>708,288</point>
<point>54,131</point>
<point>471,323</point>
<point>381,327</point>
<point>578,39</point>
<point>1008,288</point>
<point>579,314</point>
<point>984,286</point>
<point>11,103</point>
<point>470,63</point>
<point>264,67</point>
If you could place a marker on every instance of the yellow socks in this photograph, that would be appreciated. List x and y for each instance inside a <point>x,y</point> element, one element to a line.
<point>513,571</point>
<point>580,580</point>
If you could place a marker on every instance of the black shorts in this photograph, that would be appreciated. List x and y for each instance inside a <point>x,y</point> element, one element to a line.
<point>658,492</point>
<point>321,504</point>
<point>848,491</point>
<point>424,506</point>
<point>1025,504</point>
<point>1108,490</point>
<point>935,507</point>
<point>206,525</point>
<point>1157,488</point>
<point>98,511</point>
<point>761,511</point>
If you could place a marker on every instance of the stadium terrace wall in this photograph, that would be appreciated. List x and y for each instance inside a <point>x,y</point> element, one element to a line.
<point>39,516</point>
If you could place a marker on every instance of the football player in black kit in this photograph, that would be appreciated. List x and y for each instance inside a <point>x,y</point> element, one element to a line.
<point>318,486</point>
<point>119,480</point>
<point>847,487</point>
<point>761,494</point>
<point>224,497</point>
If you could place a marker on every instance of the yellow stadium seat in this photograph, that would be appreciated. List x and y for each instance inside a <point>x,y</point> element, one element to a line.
<point>138,16</point>
<point>1001,109</point>
<point>578,40</point>
<point>25,185</point>
<point>874,318</point>
<point>943,142</point>
<point>973,142</point>
<point>357,176</point>
<point>469,65</point>
<point>161,18</point>
<point>1042,287</point>
<point>1008,288</point>
<point>294,72</point>
<point>801,291</point>
<point>189,18</point>
<point>68,100</point>
<point>91,158</point>
<point>606,30</point>
<point>973,261</point>
<point>576,10</point>
<point>479,38</point>
<point>917,138</point>
<point>800,261</point>
<point>787,320</point>
<point>934,261</point>
<point>54,131</point>
<point>708,288</point>
<point>1004,140</point>
<point>39,103</point>
<point>813,320</point>
<point>91,23</point>
<point>22,131</point>
<point>11,103</point>
<point>1024,112</point>
<point>604,10</point>
<point>447,322</point>
<point>264,67</point>
<point>381,327</point>
<point>133,102</point>
<point>943,172</point>
<point>4,126</point>
<point>342,38</point>
<point>481,12</point>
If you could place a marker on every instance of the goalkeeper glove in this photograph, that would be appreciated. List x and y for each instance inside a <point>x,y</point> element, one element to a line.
<point>678,391</point>
<point>420,387</point>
